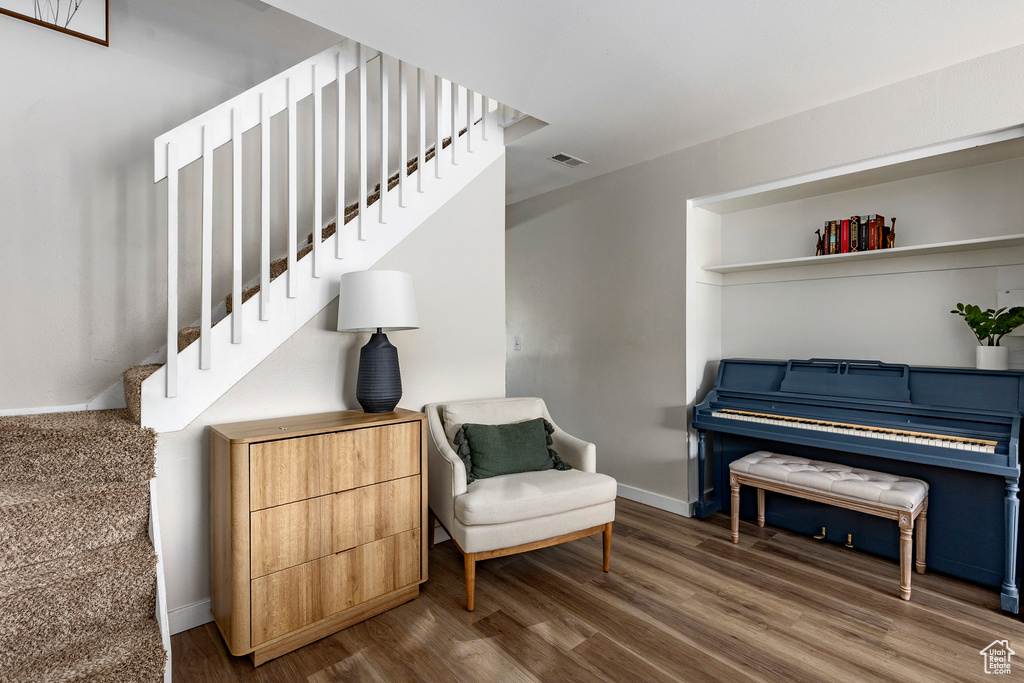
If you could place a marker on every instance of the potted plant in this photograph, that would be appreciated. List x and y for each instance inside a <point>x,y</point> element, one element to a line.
<point>990,326</point>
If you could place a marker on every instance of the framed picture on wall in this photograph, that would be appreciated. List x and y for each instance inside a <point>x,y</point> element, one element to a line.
<point>86,19</point>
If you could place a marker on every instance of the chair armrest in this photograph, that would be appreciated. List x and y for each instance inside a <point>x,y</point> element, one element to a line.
<point>446,472</point>
<point>579,453</point>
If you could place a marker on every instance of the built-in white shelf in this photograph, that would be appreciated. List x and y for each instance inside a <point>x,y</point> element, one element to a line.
<point>875,254</point>
<point>976,150</point>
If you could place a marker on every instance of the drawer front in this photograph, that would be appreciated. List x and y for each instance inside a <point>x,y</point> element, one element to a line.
<point>305,467</point>
<point>290,599</point>
<point>287,535</point>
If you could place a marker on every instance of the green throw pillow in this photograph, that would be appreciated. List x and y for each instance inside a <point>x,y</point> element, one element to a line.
<point>493,450</point>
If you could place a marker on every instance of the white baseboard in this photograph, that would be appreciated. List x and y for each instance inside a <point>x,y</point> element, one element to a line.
<point>656,500</point>
<point>189,616</point>
<point>45,409</point>
<point>112,398</point>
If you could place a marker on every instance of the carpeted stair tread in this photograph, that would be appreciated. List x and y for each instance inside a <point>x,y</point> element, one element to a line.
<point>186,336</point>
<point>51,606</point>
<point>42,522</point>
<point>132,655</point>
<point>133,379</point>
<point>69,449</point>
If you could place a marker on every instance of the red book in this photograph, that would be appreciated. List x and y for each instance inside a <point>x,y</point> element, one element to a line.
<point>845,237</point>
<point>875,231</point>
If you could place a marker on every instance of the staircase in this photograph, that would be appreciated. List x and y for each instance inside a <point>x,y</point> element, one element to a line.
<point>81,588</point>
<point>207,359</point>
<point>78,571</point>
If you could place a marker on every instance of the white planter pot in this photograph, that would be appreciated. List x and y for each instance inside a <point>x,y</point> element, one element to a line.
<point>993,358</point>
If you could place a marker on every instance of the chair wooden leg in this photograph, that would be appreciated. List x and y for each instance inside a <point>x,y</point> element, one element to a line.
<point>470,561</point>
<point>431,524</point>
<point>735,485</point>
<point>760,507</point>
<point>922,531</point>
<point>607,546</point>
<point>906,545</point>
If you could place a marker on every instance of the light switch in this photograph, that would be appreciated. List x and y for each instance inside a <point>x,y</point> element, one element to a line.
<point>517,343</point>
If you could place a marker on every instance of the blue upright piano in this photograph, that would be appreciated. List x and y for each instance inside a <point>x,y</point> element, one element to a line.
<point>956,428</point>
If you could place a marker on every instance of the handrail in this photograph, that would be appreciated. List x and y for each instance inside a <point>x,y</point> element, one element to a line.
<point>187,139</point>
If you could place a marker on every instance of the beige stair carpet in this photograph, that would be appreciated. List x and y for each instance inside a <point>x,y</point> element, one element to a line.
<point>77,569</point>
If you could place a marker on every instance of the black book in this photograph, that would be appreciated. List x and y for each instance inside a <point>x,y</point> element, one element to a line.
<point>862,234</point>
<point>854,233</point>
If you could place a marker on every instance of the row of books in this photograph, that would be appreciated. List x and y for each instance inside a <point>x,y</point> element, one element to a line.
<point>856,233</point>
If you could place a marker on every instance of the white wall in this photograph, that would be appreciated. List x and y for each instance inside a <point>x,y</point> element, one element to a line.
<point>81,241</point>
<point>896,310</point>
<point>594,291</point>
<point>457,262</point>
<point>594,273</point>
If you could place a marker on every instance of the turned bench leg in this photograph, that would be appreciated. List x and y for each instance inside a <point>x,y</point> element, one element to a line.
<point>734,483</point>
<point>760,507</point>
<point>906,546</point>
<point>922,532</point>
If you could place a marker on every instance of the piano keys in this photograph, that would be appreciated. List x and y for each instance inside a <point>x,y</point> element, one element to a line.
<point>956,428</point>
<point>868,431</point>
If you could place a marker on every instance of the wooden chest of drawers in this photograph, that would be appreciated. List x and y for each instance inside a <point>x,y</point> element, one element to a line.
<point>316,522</point>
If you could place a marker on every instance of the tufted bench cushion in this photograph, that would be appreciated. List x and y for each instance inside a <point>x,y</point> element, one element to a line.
<point>876,493</point>
<point>889,490</point>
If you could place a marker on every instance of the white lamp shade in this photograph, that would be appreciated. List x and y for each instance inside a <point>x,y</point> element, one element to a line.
<point>377,298</point>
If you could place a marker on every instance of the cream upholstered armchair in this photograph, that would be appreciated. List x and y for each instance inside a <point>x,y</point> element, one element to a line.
<point>513,513</point>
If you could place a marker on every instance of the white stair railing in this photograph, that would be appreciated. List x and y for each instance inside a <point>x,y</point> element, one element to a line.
<point>197,140</point>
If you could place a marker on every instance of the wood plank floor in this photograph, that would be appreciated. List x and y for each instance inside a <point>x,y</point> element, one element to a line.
<point>681,603</point>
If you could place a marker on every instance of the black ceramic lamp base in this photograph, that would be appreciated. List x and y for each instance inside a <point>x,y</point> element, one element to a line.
<point>379,386</point>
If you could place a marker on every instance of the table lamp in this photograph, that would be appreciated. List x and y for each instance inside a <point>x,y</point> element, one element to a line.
<point>377,301</point>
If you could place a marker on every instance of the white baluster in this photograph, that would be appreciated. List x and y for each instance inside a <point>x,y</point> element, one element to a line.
<point>236,228</point>
<point>264,208</point>
<point>403,125</point>
<point>486,101</point>
<point>340,219</point>
<point>318,173</point>
<point>470,107</point>
<point>455,120</point>
<point>438,130</point>
<point>383,136</point>
<point>421,105</point>
<point>206,315</point>
<point>172,273</point>
<point>362,142</point>
<point>293,188</point>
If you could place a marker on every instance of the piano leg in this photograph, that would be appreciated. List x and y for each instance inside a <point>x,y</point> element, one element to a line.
<point>1009,599</point>
<point>701,464</point>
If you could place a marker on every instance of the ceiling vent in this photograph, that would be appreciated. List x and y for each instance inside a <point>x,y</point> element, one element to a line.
<point>566,160</point>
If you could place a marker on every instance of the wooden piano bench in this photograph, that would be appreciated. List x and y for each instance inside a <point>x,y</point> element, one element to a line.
<point>885,495</point>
